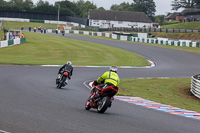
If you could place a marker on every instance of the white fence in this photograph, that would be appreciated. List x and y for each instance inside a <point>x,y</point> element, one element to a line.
<point>14,19</point>
<point>195,85</point>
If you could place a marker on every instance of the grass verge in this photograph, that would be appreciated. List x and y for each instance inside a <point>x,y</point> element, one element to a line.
<point>18,25</point>
<point>187,25</point>
<point>173,91</point>
<point>42,49</point>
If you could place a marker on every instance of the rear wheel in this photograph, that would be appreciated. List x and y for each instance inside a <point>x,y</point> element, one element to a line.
<point>103,104</point>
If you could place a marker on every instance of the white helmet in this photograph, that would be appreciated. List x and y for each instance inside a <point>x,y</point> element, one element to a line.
<point>113,68</point>
<point>69,63</point>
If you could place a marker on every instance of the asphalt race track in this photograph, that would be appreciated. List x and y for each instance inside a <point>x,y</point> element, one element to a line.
<point>30,102</point>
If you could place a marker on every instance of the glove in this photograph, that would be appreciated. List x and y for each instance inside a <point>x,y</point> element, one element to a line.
<point>94,83</point>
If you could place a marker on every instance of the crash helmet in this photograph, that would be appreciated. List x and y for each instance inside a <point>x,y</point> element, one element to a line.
<point>69,63</point>
<point>113,69</point>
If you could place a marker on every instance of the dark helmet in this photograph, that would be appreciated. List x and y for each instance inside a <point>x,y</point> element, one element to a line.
<point>113,68</point>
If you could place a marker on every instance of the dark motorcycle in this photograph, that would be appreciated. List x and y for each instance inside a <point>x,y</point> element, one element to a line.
<point>62,80</point>
<point>101,98</point>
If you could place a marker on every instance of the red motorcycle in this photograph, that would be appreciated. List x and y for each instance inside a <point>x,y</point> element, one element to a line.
<point>101,97</point>
<point>62,80</point>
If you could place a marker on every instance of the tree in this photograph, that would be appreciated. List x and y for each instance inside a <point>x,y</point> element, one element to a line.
<point>42,6</point>
<point>68,7</point>
<point>159,19</point>
<point>84,8</point>
<point>16,4</point>
<point>4,5</point>
<point>177,4</point>
<point>101,8</point>
<point>28,5</point>
<point>146,6</point>
<point>122,7</point>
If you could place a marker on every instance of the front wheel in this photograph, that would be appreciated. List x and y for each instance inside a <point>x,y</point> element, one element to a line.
<point>87,104</point>
<point>103,104</point>
<point>59,85</point>
<point>62,82</point>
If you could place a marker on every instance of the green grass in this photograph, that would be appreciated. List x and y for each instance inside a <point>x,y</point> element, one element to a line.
<point>18,25</point>
<point>170,22</point>
<point>43,49</point>
<point>174,92</point>
<point>187,25</point>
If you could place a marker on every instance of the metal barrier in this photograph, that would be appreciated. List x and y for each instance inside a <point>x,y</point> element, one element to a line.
<point>195,85</point>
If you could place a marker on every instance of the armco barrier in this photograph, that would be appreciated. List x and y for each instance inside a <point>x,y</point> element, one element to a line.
<point>183,43</point>
<point>22,40</point>
<point>36,21</point>
<point>16,41</point>
<point>7,43</point>
<point>195,85</point>
<point>10,42</point>
<point>4,44</point>
<point>86,33</point>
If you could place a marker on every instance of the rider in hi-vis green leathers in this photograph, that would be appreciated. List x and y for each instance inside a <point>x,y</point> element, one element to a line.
<point>110,77</point>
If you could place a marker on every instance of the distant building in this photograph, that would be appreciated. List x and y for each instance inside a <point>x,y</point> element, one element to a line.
<point>187,15</point>
<point>172,17</point>
<point>125,19</point>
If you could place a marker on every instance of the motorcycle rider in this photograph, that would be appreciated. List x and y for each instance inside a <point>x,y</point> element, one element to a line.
<point>65,68</point>
<point>109,78</point>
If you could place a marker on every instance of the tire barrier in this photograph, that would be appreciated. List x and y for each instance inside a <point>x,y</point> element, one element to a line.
<point>195,85</point>
<point>13,42</point>
<point>141,38</point>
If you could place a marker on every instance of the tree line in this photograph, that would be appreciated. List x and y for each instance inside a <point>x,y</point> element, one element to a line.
<point>76,9</point>
<point>80,8</point>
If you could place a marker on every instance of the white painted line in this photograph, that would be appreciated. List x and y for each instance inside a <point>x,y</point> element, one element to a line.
<point>1,131</point>
<point>87,85</point>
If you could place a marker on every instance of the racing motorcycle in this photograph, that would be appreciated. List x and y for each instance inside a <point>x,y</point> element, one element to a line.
<point>62,79</point>
<point>101,97</point>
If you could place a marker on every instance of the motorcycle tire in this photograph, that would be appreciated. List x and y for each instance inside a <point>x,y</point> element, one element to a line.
<point>87,105</point>
<point>105,102</point>
<point>61,82</point>
<point>59,86</point>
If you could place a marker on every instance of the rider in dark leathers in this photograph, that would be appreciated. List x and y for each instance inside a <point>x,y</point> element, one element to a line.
<point>65,68</point>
